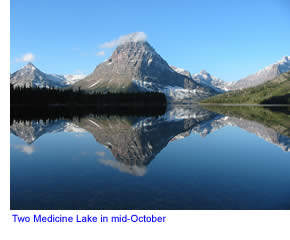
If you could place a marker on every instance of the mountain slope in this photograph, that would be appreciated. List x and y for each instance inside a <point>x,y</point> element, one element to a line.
<point>136,66</point>
<point>278,88</point>
<point>181,71</point>
<point>30,75</point>
<point>264,75</point>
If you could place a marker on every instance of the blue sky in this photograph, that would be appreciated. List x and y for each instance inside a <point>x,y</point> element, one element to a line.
<point>229,39</point>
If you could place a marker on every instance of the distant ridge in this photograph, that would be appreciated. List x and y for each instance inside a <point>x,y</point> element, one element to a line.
<point>31,76</point>
<point>264,75</point>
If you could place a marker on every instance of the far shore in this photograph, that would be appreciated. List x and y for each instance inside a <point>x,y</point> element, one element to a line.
<point>245,104</point>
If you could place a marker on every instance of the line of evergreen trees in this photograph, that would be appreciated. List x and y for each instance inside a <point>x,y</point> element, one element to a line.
<point>44,103</point>
<point>53,96</point>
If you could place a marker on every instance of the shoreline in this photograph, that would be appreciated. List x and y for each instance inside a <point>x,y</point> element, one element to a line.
<point>245,104</point>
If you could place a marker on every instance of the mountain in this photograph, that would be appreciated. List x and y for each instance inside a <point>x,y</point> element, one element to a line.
<point>205,78</point>
<point>30,75</point>
<point>264,75</point>
<point>275,91</point>
<point>136,66</point>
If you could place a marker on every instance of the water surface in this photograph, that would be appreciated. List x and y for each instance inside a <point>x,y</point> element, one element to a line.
<point>189,158</point>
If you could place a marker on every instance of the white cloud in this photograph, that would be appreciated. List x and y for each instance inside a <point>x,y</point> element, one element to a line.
<point>132,37</point>
<point>28,149</point>
<point>28,57</point>
<point>100,53</point>
<point>133,170</point>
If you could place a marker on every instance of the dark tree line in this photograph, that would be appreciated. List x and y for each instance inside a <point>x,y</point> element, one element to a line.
<point>53,96</point>
<point>284,99</point>
<point>44,103</point>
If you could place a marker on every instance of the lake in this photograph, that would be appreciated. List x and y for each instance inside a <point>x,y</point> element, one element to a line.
<point>188,158</point>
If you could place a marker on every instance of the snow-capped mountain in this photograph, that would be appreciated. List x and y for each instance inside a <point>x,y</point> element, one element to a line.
<point>137,66</point>
<point>264,75</point>
<point>205,78</point>
<point>30,75</point>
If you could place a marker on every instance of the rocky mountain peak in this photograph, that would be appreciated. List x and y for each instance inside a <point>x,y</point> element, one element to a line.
<point>204,72</point>
<point>205,78</point>
<point>30,66</point>
<point>135,52</point>
<point>205,75</point>
<point>138,46</point>
<point>202,75</point>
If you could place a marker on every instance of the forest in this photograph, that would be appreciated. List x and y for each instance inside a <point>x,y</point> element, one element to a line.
<point>54,96</point>
<point>46,103</point>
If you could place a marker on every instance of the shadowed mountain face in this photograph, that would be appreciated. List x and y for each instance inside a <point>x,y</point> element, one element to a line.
<point>134,142</point>
<point>137,66</point>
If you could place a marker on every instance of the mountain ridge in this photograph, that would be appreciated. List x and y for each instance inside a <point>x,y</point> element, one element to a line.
<point>266,74</point>
<point>30,75</point>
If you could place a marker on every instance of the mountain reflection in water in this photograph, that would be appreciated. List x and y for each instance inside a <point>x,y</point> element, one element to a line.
<point>135,141</point>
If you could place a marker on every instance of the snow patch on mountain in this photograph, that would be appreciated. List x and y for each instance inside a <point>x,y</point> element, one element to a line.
<point>173,93</point>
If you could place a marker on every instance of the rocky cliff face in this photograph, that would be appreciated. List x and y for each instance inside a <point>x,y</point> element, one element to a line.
<point>268,73</point>
<point>137,66</point>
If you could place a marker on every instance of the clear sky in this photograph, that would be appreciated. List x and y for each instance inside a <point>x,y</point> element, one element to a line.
<point>230,39</point>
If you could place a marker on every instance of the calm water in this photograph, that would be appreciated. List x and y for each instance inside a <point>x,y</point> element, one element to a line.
<point>188,158</point>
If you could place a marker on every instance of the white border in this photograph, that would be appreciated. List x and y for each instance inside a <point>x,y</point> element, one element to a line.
<point>180,224</point>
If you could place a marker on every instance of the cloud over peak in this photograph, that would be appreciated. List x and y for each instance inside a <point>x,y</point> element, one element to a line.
<point>28,57</point>
<point>132,37</point>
